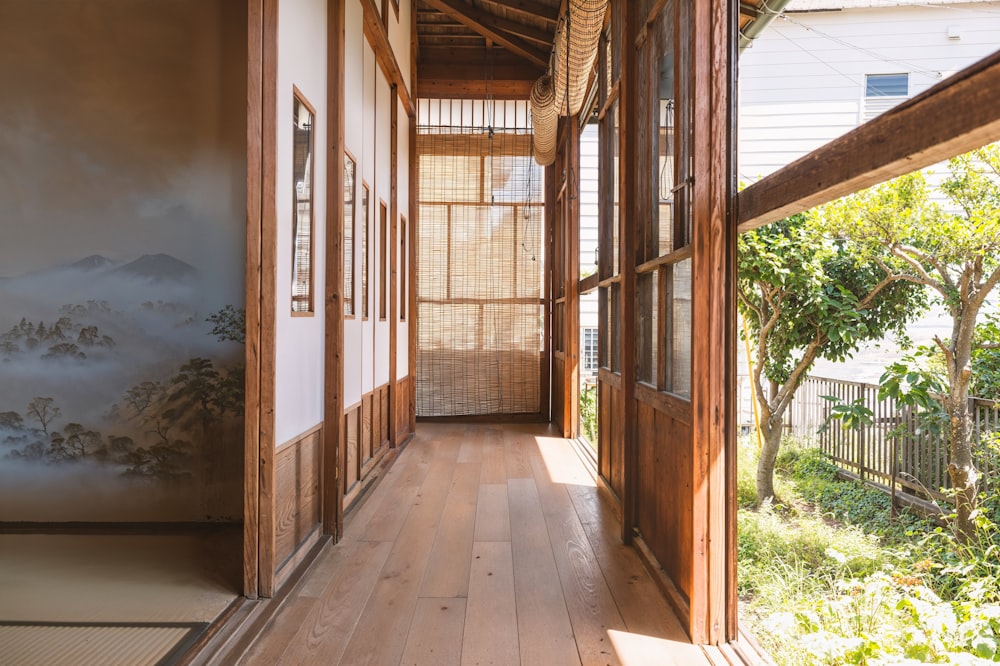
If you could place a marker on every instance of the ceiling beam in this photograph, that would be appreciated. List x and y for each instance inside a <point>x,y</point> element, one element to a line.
<point>957,115</point>
<point>530,8</point>
<point>483,22</point>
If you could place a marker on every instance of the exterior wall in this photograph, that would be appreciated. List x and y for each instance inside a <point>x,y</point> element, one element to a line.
<point>302,48</point>
<point>802,82</point>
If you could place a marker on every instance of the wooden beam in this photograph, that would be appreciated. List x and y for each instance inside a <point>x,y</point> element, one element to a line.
<point>333,356</point>
<point>376,35</point>
<point>483,22</point>
<point>447,88</point>
<point>532,9</point>
<point>959,114</point>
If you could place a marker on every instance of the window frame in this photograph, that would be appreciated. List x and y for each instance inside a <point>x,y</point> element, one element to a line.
<point>310,172</point>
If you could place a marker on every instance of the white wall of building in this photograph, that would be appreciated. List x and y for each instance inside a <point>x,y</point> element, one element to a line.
<point>299,340</point>
<point>802,82</point>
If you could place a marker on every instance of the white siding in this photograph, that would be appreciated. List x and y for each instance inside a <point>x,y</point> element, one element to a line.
<point>802,82</point>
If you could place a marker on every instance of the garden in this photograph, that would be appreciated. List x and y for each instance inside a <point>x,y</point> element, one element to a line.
<point>834,566</point>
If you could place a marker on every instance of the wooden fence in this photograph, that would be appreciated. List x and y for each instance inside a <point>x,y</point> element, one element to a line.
<point>896,452</point>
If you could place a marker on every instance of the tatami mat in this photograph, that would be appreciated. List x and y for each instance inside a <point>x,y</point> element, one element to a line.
<point>111,599</point>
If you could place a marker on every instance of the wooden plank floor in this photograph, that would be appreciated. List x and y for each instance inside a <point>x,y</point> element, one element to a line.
<point>483,544</point>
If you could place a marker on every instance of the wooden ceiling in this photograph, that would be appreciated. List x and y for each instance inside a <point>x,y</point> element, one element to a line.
<point>493,48</point>
<point>479,48</point>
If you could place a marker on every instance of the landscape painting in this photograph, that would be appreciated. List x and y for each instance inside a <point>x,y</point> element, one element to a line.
<point>122,173</point>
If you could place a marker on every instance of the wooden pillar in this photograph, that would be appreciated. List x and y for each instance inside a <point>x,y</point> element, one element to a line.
<point>713,314</point>
<point>268,267</point>
<point>251,420</point>
<point>394,259</point>
<point>628,131</point>
<point>570,219</point>
<point>333,367</point>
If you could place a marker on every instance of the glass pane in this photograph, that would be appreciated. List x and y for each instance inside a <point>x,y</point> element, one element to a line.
<point>302,182</point>
<point>349,224</point>
<point>647,339</point>
<point>680,312</point>
<point>887,85</point>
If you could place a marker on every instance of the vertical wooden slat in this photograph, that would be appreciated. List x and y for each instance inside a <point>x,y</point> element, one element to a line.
<point>414,221</point>
<point>333,392</point>
<point>393,259</point>
<point>251,419</point>
<point>266,565</point>
<point>627,238</point>
<point>546,395</point>
<point>571,228</point>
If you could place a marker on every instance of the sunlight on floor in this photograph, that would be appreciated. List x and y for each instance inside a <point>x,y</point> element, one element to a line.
<point>561,463</point>
<point>639,650</point>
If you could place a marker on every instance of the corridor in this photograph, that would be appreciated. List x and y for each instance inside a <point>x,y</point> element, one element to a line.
<point>483,544</point>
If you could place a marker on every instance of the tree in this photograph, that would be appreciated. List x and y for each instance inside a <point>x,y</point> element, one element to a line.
<point>194,391</point>
<point>806,296</point>
<point>955,251</point>
<point>44,411</point>
<point>142,395</point>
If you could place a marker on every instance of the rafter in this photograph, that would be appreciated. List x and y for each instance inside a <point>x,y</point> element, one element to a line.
<point>484,23</point>
<point>536,10</point>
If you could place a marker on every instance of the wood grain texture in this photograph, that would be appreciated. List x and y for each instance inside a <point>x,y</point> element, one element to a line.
<point>333,307</point>
<point>254,229</point>
<point>266,562</point>
<point>321,635</point>
<point>492,514</point>
<point>375,33</point>
<point>447,572</point>
<point>490,635</point>
<point>955,116</point>
<point>393,250</point>
<point>558,587</point>
<point>544,630</point>
<point>395,594</point>
<point>298,506</point>
<point>713,314</point>
<point>628,221</point>
<point>435,635</point>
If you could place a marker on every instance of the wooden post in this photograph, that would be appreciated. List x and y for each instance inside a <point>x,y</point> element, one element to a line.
<point>333,366</point>
<point>570,220</point>
<point>266,565</point>
<point>251,420</point>
<point>713,311</point>
<point>628,129</point>
<point>394,258</point>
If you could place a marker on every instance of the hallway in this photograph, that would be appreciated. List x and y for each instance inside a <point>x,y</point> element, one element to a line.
<point>483,544</point>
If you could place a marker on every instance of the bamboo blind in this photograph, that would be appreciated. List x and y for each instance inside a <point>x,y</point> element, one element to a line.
<point>479,279</point>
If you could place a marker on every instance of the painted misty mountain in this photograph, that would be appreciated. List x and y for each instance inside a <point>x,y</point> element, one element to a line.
<point>118,376</point>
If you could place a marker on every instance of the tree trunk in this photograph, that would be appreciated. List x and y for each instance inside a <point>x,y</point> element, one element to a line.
<point>962,469</point>
<point>768,455</point>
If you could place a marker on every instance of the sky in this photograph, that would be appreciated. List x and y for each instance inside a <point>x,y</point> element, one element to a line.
<point>119,156</point>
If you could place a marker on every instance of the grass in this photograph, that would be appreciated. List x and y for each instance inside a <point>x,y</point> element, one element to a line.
<point>827,578</point>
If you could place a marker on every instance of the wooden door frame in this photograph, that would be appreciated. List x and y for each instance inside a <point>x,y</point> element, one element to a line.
<point>332,489</point>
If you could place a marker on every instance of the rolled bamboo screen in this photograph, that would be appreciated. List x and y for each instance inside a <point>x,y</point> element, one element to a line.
<point>562,92</point>
<point>545,119</point>
<point>480,311</point>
